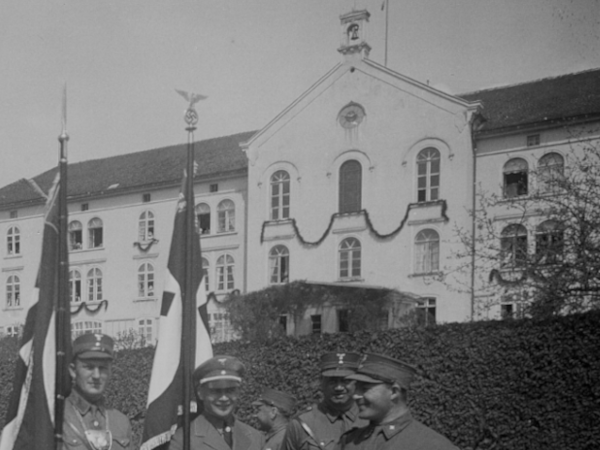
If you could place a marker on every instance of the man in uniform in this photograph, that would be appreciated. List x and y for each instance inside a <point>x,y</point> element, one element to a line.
<point>274,409</point>
<point>321,426</point>
<point>88,423</point>
<point>382,385</point>
<point>217,382</point>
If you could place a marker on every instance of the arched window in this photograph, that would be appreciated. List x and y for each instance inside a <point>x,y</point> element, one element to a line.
<point>225,266</point>
<point>428,175</point>
<point>226,213</point>
<point>146,281</point>
<point>205,271</point>
<point>427,251</point>
<point>146,226</point>
<point>75,235</point>
<point>13,241</point>
<point>95,233</point>
<point>350,187</point>
<point>280,195</point>
<point>75,286</point>
<point>13,292</point>
<point>203,214</point>
<point>350,258</point>
<point>513,244</point>
<point>279,263</point>
<point>551,169</point>
<point>549,242</point>
<point>516,173</point>
<point>94,285</point>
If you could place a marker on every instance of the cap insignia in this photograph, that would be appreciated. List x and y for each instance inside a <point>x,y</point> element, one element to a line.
<point>223,372</point>
<point>222,361</point>
<point>98,337</point>
<point>341,358</point>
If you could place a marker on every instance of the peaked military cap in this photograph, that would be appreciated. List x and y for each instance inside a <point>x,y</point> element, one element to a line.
<point>375,368</point>
<point>93,346</point>
<point>339,364</point>
<point>220,367</point>
<point>282,400</point>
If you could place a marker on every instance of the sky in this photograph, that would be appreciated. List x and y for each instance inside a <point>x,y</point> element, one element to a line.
<point>122,60</point>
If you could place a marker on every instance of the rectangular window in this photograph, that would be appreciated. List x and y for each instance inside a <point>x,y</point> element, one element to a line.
<point>533,140</point>
<point>145,331</point>
<point>146,198</point>
<point>14,214</point>
<point>85,206</point>
<point>315,320</point>
<point>426,311</point>
<point>204,222</point>
<point>95,235</point>
<point>343,320</point>
<point>214,187</point>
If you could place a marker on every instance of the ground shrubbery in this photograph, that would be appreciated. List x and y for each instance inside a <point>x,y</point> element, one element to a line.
<point>503,385</point>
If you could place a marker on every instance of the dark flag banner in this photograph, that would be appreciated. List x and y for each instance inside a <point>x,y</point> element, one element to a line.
<point>30,415</point>
<point>165,396</point>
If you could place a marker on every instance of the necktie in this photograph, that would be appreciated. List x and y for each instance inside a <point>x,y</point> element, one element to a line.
<point>227,435</point>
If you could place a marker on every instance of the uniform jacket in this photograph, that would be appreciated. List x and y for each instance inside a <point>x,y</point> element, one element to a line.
<point>204,436</point>
<point>326,427</point>
<point>405,433</point>
<point>80,414</point>
<point>274,439</point>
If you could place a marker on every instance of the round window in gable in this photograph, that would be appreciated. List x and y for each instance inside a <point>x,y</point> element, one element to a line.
<point>351,115</point>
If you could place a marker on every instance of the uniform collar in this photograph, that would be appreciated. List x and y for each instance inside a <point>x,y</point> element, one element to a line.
<point>350,414</point>
<point>390,429</point>
<point>83,406</point>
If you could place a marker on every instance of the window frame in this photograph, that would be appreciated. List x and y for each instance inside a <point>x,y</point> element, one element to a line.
<point>203,217</point>
<point>514,245</point>
<point>225,269</point>
<point>75,235</point>
<point>279,265</point>
<point>350,187</point>
<point>94,292</point>
<point>226,216</point>
<point>428,178</point>
<point>551,167</point>
<point>350,259</point>
<point>515,180</point>
<point>73,286</point>
<point>427,244</point>
<point>280,195</point>
<point>549,242</point>
<point>146,226</point>
<point>13,292</point>
<point>13,241</point>
<point>426,311</point>
<point>95,233</point>
<point>146,282</point>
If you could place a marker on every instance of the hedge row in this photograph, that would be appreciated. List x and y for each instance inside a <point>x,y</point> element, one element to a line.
<point>486,385</point>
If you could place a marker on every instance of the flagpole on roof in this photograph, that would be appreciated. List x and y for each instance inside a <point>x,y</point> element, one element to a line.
<point>63,332</point>
<point>386,5</point>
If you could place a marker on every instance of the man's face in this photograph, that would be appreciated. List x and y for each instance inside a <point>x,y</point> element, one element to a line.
<point>338,391</point>
<point>91,376</point>
<point>219,398</point>
<point>264,415</point>
<point>374,401</point>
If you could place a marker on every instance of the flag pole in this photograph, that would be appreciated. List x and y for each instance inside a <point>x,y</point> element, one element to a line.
<point>63,334</point>
<point>188,335</point>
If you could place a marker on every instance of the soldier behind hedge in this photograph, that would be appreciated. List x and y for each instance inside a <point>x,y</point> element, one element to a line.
<point>382,385</point>
<point>88,423</point>
<point>320,426</point>
<point>273,412</point>
<point>217,382</point>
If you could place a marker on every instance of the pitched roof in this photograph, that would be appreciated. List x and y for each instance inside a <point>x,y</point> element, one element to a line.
<point>571,96</point>
<point>140,170</point>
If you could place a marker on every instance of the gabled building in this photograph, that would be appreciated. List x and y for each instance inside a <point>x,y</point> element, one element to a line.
<point>363,180</point>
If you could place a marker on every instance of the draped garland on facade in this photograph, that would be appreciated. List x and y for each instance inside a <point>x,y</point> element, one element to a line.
<point>212,296</point>
<point>145,247</point>
<point>496,275</point>
<point>363,212</point>
<point>90,309</point>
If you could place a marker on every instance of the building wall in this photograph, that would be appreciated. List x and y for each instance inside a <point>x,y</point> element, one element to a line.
<point>308,142</point>
<point>119,259</point>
